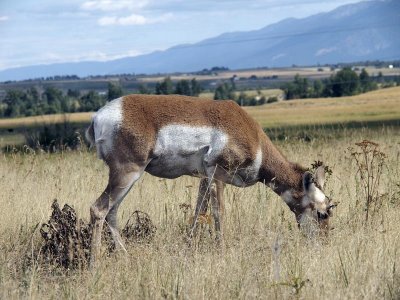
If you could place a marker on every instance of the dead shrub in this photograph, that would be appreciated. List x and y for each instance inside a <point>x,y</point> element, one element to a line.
<point>66,238</point>
<point>139,228</point>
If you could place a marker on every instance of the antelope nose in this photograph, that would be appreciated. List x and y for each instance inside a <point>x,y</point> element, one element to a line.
<point>322,216</point>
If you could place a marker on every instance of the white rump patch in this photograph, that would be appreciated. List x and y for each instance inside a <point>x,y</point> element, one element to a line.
<point>106,123</point>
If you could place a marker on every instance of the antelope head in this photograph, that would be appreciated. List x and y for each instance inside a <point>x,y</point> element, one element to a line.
<point>312,203</point>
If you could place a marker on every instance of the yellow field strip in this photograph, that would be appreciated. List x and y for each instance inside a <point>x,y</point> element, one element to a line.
<point>46,119</point>
<point>373,106</point>
<point>377,105</point>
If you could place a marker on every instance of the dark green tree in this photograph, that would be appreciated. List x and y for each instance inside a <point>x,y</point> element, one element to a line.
<point>318,88</point>
<point>225,91</point>
<point>183,88</point>
<point>32,102</point>
<point>73,93</point>
<point>196,87</point>
<point>91,101</point>
<point>52,94</point>
<point>14,103</point>
<point>297,89</point>
<point>165,87</point>
<point>366,83</point>
<point>143,89</point>
<point>53,98</point>
<point>114,91</point>
<point>302,86</point>
<point>345,83</point>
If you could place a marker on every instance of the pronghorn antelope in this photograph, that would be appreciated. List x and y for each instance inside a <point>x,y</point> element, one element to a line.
<point>171,136</point>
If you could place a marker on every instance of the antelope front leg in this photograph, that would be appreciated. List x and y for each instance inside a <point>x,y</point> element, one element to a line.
<point>217,203</point>
<point>201,205</point>
<point>98,212</point>
<point>111,220</point>
<point>119,184</point>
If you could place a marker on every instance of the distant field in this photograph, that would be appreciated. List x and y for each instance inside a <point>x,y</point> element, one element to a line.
<point>265,92</point>
<point>310,72</point>
<point>270,78</point>
<point>377,105</point>
<point>382,104</point>
<point>45,119</point>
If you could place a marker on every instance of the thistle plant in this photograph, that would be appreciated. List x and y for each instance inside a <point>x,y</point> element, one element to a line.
<point>370,161</point>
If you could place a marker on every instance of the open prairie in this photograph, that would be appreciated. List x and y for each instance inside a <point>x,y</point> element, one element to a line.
<point>264,254</point>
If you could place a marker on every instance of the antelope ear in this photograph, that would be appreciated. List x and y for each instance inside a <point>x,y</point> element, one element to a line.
<point>333,205</point>
<point>320,176</point>
<point>308,180</point>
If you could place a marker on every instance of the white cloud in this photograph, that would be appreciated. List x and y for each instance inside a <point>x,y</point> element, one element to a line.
<point>278,56</point>
<point>102,56</point>
<point>4,18</point>
<point>52,57</point>
<point>133,19</point>
<point>109,5</point>
<point>324,51</point>
<point>130,20</point>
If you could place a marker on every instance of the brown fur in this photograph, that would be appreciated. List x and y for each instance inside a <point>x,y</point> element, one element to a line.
<point>243,131</point>
<point>137,136</point>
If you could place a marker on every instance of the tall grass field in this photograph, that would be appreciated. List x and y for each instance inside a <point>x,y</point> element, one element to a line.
<point>264,255</point>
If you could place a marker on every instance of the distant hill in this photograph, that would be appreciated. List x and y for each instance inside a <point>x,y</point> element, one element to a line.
<point>356,32</point>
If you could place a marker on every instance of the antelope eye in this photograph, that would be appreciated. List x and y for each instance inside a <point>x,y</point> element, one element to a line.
<point>322,216</point>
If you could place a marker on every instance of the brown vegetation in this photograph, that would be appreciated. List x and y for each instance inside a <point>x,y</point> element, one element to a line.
<point>264,254</point>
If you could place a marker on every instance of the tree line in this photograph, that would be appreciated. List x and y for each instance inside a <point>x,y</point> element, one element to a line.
<point>34,101</point>
<point>345,82</point>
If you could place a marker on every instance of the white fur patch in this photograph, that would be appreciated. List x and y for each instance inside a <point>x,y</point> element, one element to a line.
<point>257,162</point>
<point>182,139</point>
<point>106,122</point>
<point>250,174</point>
<point>318,195</point>
<point>183,150</point>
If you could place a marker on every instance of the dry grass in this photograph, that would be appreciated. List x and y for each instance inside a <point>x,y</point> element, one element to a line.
<point>264,256</point>
<point>82,117</point>
<point>377,105</point>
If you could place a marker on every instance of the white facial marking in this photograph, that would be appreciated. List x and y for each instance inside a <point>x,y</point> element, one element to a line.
<point>106,122</point>
<point>318,195</point>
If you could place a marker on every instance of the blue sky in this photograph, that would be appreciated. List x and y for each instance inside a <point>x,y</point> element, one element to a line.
<point>47,31</point>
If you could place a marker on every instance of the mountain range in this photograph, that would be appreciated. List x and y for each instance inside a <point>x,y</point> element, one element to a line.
<point>368,30</point>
